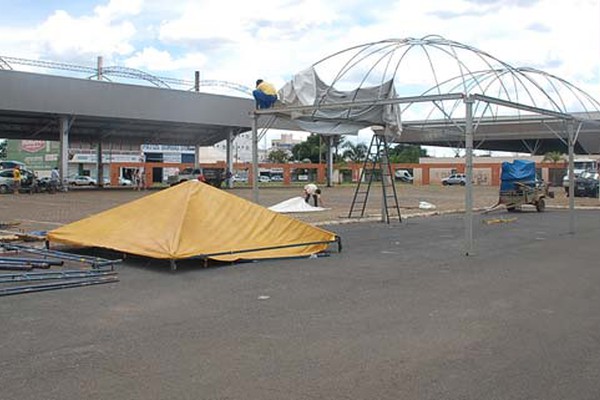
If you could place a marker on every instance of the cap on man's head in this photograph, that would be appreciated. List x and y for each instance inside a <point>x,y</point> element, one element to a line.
<point>259,81</point>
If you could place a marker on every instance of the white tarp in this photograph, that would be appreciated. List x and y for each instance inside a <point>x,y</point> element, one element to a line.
<point>295,204</point>
<point>307,89</point>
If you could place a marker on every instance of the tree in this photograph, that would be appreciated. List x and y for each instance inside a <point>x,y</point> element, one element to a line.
<point>3,144</point>
<point>278,156</point>
<point>406,153</point>
<point>310,149</point>
<point>554,157</point>
<point>354,152</point>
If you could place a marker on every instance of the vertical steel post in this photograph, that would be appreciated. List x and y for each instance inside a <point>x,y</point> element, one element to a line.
<point>571,135</point>
<point>255,158</point>
<point>100,62</point>
<point>196,81</point>
<point>329,161</point>
<point>385,181</point>
<point>469,175</point>
<point>229,158</point>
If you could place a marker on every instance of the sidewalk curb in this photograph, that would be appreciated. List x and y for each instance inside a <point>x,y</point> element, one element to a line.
<point>377,218</point>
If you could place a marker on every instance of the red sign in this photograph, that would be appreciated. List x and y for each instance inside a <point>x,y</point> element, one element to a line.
<point>32,146</point>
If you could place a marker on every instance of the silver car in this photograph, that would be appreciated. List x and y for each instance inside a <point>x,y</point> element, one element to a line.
<point>455,179</point>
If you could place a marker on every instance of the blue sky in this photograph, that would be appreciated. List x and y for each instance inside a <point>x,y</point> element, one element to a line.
<point>240,41</point>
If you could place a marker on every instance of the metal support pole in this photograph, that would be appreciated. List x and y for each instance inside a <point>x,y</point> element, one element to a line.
<point>196,81</point>
<point>469,175</point>
<point>100,63</point>
<point>329,161</point>
<point>229,157</point>
<point>64,123</point>
<point>255,158</point>
<point>385,182</point>
<point>571,137</point>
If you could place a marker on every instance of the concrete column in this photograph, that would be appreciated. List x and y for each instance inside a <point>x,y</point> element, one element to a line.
<point>64,124</point>
<point>469,174</point>
<point>229,157</point>
<point>197,156</point>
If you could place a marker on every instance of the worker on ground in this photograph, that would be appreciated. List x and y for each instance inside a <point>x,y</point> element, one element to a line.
<point>17,177</point>
<point>312,190</point>
<point>264,94</point>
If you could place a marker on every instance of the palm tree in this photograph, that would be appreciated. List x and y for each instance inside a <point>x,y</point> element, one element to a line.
<point>554,157</point>
<point>354,152</point>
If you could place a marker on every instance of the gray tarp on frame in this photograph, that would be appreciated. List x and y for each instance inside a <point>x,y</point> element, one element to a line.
<point>307,89</point>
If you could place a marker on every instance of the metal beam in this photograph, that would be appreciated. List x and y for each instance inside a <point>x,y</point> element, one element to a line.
<point>361,103</point>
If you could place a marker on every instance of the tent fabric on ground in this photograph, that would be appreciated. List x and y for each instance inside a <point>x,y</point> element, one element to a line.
<point>194,219</point>
<point>295,204</point>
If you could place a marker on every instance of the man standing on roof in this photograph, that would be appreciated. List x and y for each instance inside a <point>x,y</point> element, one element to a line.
<point>264,94</point>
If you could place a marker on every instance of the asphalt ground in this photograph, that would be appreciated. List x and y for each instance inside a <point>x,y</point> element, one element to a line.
<point>400,313</point>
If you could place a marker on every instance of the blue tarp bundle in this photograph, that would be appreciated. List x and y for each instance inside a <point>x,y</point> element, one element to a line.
<point>521,171</point>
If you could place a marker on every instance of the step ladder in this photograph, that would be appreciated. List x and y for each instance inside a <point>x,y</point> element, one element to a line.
<point>376,160</point>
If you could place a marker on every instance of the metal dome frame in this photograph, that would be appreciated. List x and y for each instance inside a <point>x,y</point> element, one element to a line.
<point>461,102</point>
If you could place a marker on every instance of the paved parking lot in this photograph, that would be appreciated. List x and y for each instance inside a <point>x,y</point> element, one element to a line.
<point>44,211</point>
<point>401,313</point>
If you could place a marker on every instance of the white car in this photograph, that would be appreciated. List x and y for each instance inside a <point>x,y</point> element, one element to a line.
<point>264,179</point>
<point>81,180</point>
<point>125,181</point>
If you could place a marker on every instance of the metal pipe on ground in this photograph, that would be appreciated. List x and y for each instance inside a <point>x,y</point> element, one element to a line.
<point>53,275</point>
<point>54,286</point>
<point>48,261</point>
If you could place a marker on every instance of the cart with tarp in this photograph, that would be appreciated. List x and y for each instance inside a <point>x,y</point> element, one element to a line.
<point>519,185</point>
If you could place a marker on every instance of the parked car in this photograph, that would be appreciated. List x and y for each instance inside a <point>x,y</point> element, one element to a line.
<point>82,180</point>
<point>264,179</point>
<point>403,175</point>
<point>28,181</point>
<point>125,181</point>
<point>455,179</point>
<point>212,176</point>
<point>238,178</point>
<point>586,185</point>
<point>277,178</point>
<point>8,164</point>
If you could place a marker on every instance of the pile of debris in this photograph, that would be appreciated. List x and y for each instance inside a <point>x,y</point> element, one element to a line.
<point>27,269</point>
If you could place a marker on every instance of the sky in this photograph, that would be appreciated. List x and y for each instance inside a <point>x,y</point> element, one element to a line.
<point>240,41</point>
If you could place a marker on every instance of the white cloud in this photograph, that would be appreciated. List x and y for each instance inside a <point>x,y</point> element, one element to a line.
<point>116,9</point>
<point>62,35</point>
<point>152,59</point>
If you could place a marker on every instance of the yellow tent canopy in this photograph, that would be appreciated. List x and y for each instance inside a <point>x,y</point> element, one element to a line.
<point>194,219</point>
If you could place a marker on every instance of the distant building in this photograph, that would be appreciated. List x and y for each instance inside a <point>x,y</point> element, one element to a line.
<point>286,142</point>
